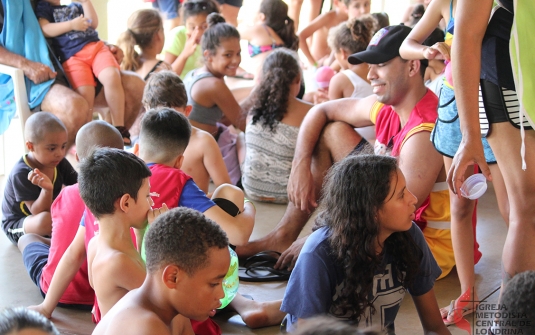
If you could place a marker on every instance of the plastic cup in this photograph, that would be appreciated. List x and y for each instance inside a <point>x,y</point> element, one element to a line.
<point>474,186</point>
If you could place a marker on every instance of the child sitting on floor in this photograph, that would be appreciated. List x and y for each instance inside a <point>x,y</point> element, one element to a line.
<point>202,158</point>
<point>213,105</point>
<point>37,178</point>
<point>57,265</point>
<point>114,185</point>
<point>273,125</point>
<point>346,39</point>
<point>161,145</point>
<point>365,251</point>
<point>187,258</point>
<point>83,55</point>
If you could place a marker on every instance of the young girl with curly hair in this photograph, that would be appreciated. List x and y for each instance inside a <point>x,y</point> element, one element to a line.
<point>365,252</point>
<point>145,29</point>
<point>213,105</point>
<point>271,132</point>
<point>346,39</point>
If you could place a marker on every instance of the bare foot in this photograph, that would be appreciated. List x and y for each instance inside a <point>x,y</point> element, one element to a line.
<point>257,314</point>
<point>276,241</point>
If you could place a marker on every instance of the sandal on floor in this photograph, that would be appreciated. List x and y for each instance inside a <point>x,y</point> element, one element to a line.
<point>452,319</point>
<point>259,268</point>
<point>125,134</point>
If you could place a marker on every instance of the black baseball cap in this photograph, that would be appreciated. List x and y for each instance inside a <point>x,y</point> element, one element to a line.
<point>383,46</point>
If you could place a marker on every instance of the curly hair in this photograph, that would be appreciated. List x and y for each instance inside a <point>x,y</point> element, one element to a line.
<point>518,297</point>
<point>279,71</point>
<point>142,26</point>
<point>217,31</point>
<point>354,35</point>
<point>182,236</point>
<point>355,190</point>
<point>276,14</point>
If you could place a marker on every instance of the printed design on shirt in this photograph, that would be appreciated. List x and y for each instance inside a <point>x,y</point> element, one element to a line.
<point>386,297</point>
<point>69,13</point>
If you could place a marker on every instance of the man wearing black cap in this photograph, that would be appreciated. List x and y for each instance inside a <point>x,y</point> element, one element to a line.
<point>404,112</point>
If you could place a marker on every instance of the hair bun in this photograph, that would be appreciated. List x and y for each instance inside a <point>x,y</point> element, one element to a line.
<point>214,18</point>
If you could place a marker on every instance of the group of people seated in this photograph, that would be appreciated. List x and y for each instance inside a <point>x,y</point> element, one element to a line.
<point>136,236</point>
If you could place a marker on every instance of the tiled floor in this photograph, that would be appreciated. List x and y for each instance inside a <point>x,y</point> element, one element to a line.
<point>16,288</point>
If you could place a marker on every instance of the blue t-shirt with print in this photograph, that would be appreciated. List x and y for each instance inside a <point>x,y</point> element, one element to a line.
<point>317,280</point>
<point>68,44</point>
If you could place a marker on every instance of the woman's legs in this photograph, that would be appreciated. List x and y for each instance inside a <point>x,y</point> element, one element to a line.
<point>519,247</point>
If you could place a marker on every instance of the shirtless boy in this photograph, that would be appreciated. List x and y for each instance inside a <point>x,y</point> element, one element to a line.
<point>187,259</point>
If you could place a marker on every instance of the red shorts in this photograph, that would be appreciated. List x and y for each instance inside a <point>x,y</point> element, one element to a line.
<point>82,68</point>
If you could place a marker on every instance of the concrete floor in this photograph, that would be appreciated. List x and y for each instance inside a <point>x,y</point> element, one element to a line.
<point>16,288</point>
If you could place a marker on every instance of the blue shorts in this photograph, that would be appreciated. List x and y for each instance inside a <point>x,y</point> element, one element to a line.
<point>446,136</point>
<point>35,257</point>
<point>14,229</point>
<point>169,7</point>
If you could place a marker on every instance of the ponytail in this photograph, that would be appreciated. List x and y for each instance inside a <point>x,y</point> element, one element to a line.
<point>217,31</point>
<point>276,13</point>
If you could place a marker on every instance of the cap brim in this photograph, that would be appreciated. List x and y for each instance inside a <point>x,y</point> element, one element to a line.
<point>370,57</point>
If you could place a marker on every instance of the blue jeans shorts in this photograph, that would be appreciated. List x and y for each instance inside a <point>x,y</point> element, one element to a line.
<point>446,136</point>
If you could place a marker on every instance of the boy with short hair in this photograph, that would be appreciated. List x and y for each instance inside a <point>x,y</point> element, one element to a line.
<point>60,261</point>
<point>163,139</point>
<point>114,185</point>
<point>202,159</point>
<point>187,259</point>
<point>83,55</point>
<point>37,178</point>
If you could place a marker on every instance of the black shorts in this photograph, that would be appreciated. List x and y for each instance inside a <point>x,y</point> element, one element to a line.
<point>362,148</point>
<point>14,229</point>
<point>235,3</point>
<point>501,105</point>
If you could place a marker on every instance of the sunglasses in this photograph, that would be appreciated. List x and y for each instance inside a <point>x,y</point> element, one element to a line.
<point>195,5</point>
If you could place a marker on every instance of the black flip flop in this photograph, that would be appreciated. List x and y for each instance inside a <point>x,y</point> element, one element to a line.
<point>259,268</point>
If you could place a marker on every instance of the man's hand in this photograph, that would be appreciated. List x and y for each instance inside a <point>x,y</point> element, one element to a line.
<point>37,72</point>
<point>117,53</point>
<point>301,187</point>
<point>80,23</point>
<point>38,178</point>
<point>41,310</point>
<point>288,258</point>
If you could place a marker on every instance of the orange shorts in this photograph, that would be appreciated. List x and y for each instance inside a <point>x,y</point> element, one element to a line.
<point>82,68</point>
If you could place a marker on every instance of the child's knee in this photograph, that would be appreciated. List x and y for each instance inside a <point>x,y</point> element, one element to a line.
<point>110,76</point>
<point>231,193</point>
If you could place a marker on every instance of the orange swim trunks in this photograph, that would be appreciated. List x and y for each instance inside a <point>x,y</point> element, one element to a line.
<point>82,68</point>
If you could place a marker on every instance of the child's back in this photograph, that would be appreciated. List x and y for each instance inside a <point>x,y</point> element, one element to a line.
<point>272,129</point>
<point>202,158</point>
